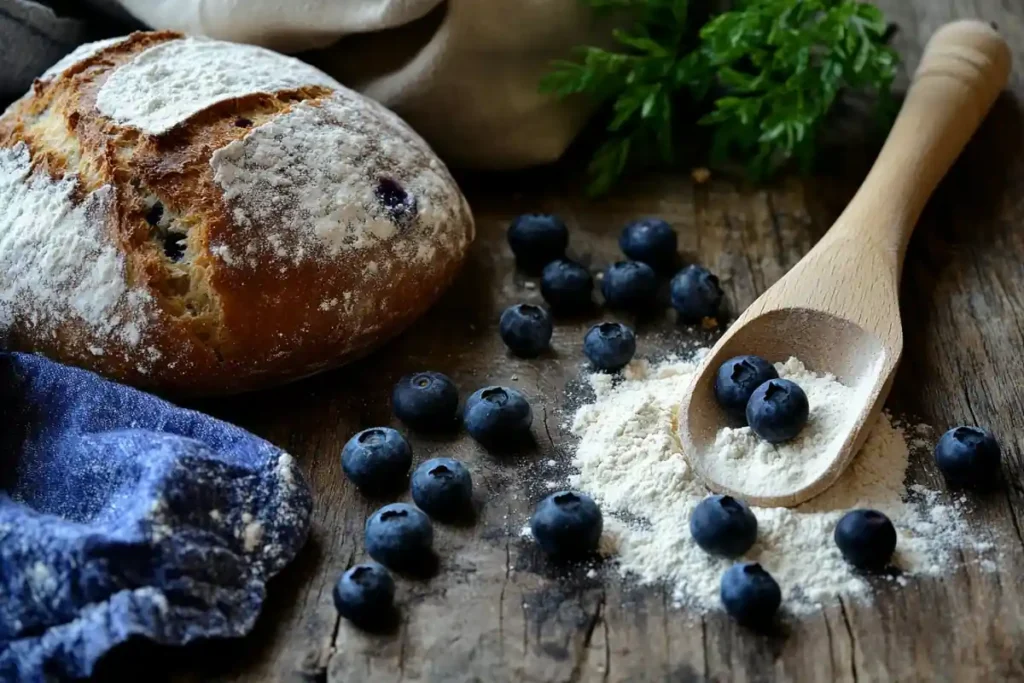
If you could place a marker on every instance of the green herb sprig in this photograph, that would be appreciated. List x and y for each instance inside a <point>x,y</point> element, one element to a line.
<point>762,77</point>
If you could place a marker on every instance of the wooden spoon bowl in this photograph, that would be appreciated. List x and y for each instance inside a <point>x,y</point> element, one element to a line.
<point>837,310</point>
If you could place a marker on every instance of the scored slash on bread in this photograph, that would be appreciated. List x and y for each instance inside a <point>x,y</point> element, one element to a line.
<point>200,217</point>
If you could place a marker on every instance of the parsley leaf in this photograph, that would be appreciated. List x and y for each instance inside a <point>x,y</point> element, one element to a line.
<point>762,77</point>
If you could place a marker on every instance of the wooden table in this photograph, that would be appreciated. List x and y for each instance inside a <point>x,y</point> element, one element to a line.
<point>497,612</point>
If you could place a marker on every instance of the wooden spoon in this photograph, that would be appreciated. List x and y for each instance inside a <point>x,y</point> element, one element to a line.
<point>837,310</point>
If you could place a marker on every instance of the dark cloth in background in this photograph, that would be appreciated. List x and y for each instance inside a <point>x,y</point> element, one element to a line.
<point>463,73</point>
<point>34,35</point>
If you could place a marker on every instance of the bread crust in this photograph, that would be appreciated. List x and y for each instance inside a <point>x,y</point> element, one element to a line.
<point>209,324</point>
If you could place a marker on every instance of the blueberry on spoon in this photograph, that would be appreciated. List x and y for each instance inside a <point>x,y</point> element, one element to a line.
<point>778,410</point>
<point>736,381</point>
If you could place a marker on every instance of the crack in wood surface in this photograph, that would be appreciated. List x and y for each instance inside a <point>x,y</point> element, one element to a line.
<point>547,430</point>
<point>853,640</point>
<point>504,583</point>
<point>757,279</point>
<point>1013,517</point>
<point>583,652</point>
<point>964,567</point>
<point>967,399</point>
<point>831,647</point>
<point>403,636</point>
<point>526,632</point>
<point>704,646</point>
<point>607,650</point>
<point>324,661</point>
<point>769,201</point>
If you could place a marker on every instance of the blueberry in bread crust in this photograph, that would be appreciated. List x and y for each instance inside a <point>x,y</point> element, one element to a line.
<point>200,217</point>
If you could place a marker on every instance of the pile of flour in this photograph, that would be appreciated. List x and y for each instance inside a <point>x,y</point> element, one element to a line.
<point>629,460</point>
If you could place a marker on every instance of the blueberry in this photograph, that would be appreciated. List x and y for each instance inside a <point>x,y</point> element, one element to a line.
<point>609,346</point>
<point>497,415</point>
<point>526,329</point>
<point>968,456</point>
<point>650,240</point>
<point>723,525</point>
<point>866,538</point>
<point>537,240</point>
<point>737,379</point>
<point>365,595</point>
<point>425,401</point>
<point>567,286</point>
<point>400,206</point>
<point>777,410</point>
<point>567,525</point>
<point>749,594</point>
<point>630,285</point>
<point>696,294</point>
<point>376,460</point>
<point>399,536</point>
<point>442,488</point>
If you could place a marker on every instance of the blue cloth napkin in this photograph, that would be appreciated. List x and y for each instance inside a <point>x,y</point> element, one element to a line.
<point>123,516</point>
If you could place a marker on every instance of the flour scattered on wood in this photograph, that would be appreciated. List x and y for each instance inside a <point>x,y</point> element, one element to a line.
<point>630,461</point>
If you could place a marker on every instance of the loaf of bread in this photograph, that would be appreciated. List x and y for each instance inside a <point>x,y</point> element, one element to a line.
<point>199,217</point>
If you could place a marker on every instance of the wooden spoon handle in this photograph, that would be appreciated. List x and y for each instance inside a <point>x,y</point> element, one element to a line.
<point>964,67</point>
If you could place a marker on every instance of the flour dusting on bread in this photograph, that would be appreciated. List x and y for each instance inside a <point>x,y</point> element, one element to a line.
<point>336,176</point>
<point>204,218</point>
<point>56,259</point>
<point>167,84</point>
<point>79,54</point>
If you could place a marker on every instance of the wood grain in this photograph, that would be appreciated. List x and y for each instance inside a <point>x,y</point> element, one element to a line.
<point>496,612</point>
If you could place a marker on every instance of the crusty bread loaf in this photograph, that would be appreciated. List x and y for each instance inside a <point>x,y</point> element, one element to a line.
<point>201,217</point>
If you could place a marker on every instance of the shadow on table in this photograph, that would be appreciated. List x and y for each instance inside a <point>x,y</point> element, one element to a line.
<point>967,213</point>
<point>142,660</point>
<point>967,216</point>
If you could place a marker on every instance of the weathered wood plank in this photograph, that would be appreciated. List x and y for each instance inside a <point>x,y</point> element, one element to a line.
<point>497,612</point>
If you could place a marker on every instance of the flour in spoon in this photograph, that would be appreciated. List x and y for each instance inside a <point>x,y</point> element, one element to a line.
<point>629,459</point>
<point>743,461</point>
